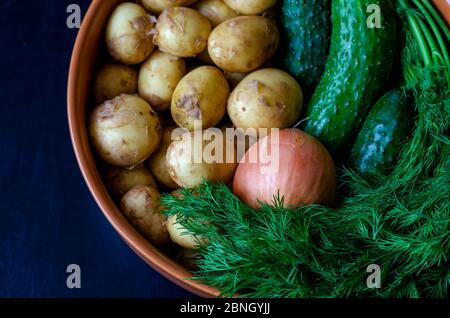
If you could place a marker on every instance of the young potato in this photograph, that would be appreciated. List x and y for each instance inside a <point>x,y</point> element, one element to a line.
<point>113,80</point>
<point>158,6</point>
<point>216,11</point>
<point>157,161</point>
<point>121,180</point>
<point>158,77</point>
<point>267,98</point>
<point>243,44</point>
<point>193,157</point>
<point>182,32</point>
<point>250,7</point>
<point>129,33</point>
<point>141,206</point>
<point>125,131</point>
<point>181,236</point>
<point>201,96</point>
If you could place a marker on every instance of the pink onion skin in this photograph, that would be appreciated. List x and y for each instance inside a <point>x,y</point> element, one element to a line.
<point>306,173</point>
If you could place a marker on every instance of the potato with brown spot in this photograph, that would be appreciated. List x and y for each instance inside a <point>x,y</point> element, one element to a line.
<point>250,7</point>
<point>113,80</point>
<point>158,6</point>
<point>182,32</point>
<point>129,33</point>
<point>194,157</point>
<point>201,96</point>
<point>267,98</point>
<point>141,206</point>
<point>121,180</point>
<point>158,78</point>
<point>157,161</point>
<point>243,44</point>
<point>125,131</point>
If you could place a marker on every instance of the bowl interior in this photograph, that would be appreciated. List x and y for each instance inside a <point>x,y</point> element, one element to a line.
<point>84,58</point>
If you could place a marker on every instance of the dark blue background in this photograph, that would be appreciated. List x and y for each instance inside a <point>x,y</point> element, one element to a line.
<point>48,218</point>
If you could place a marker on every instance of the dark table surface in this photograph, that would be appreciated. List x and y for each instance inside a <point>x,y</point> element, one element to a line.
<point>48,218</point>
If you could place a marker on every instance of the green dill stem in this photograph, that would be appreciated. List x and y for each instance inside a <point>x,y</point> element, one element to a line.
<point>417,33</point>
<point>436,54</point>
<point>435,30</point>
<point>438,19</point>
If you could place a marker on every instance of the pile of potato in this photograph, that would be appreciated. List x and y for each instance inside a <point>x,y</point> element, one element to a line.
<point>172,66</point>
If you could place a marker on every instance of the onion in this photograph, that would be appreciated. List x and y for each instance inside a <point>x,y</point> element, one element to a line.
<point>300,170</point>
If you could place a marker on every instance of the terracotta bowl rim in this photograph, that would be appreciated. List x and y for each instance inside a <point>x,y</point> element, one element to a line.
<point>150,254</point>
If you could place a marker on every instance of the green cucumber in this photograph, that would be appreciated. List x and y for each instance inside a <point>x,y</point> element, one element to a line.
<point>384,130</point>
<point>356,72</point>
<point>306,29</point>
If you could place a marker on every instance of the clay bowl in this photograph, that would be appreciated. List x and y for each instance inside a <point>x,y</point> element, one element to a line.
<point>84,57</point>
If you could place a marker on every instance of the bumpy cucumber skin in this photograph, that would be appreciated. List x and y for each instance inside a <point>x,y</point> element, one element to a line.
<point>306,29</point>
<point>386,127</point>
<point>357,70</point>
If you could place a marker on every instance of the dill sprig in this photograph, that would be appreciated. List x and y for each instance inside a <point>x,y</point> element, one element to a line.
<point>399,221</point>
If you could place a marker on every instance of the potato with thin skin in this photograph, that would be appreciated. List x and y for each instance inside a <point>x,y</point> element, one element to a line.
<point>158,6</point>
<point>179,234</point>
<point>158,78</point>
<point>125,131</point>
<point>194,157</point>
<point>182,32</point>
<point>157,162</point>
<point>200,97</point>
<point>216,11</point>
<point>267,98</point>
<point>129,33</point>
<point>113,80</point>
<point>141,206</point>
<point>250,7</point>
<point>121,180</point>
<point>243,44</point>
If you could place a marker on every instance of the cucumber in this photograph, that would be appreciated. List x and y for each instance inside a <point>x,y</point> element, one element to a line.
<point>306,29</point>
<point>386,127</point>
<point>357,69</point>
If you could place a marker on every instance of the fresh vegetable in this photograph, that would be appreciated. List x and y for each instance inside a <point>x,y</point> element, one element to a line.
<point>384,130</point>
<point>243,44</point>
<point>306,31</point>
<point>399,221</point>
<point>158,78</point>
<point>179,234</point>
<point>158,6</point>
<point>250,7</point>
<point>200,96</point>
<point>267,98</point>
<point>189,162</point>
<point>141,206</point>
<point>357,68</point>
<point>121,180</point>
<point>300,170</point>
<point>125,131</point>
<point>157,161</point>
<point>182,32</point>
<point>113,80</point>
<point>129,33</point>
<point>216,11</point>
